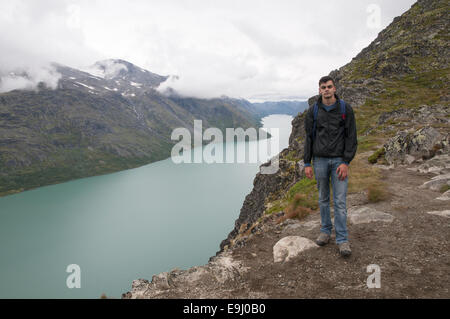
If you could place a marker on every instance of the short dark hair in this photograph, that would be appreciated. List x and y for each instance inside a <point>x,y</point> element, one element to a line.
<point>325,79</point>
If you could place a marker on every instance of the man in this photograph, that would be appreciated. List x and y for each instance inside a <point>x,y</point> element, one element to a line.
<point>331,147</point>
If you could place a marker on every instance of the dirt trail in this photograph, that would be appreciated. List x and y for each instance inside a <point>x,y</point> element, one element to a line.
<point>412,251</point>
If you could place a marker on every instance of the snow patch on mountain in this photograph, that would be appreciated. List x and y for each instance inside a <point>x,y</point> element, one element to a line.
<point>107,69</point>
<point>136,84</point>
<point>87,86</point>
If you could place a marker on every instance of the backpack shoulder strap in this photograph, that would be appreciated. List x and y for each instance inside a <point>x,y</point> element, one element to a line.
<point>343,110</point>
<point>344,115</point>
<point>315,111</point>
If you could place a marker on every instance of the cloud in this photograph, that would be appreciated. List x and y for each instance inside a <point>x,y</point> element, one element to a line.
<point>28,78</point>
<point>248,49</point>
<point>268,43</point>
<point>34,34</point>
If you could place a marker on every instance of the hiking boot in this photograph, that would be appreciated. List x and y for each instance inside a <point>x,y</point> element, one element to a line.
<point>323,239</point>
<point>344,249</point>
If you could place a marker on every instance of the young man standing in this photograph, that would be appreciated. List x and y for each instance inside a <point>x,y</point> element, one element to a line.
<point>331,143</point>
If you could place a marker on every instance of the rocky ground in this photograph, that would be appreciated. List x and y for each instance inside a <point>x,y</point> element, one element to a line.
<point>407,236</point>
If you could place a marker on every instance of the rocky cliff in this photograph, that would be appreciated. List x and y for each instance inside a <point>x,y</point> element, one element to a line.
<point>398,191</point>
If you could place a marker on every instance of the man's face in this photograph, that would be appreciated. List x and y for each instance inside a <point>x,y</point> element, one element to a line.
<point>327,90</point>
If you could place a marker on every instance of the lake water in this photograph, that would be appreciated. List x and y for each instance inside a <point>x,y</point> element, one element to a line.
<point>122,226</point>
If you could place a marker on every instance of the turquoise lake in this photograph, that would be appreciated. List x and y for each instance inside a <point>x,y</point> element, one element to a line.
<point>122,226</point>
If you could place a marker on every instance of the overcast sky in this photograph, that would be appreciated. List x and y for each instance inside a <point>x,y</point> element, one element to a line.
<point>258,50</point>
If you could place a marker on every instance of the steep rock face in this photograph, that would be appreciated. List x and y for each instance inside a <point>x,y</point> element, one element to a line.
<point>266,188</point>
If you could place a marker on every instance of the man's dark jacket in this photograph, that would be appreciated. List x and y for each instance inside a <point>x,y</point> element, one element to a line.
<point>335,137</point>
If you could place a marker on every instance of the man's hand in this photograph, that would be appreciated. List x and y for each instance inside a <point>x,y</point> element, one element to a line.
<point>342,171</point>
<point>309,172</point>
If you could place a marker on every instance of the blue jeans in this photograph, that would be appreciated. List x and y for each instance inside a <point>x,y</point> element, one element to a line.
<point>324,168</point>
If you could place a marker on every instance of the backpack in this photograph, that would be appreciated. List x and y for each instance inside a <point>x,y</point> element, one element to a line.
<point>316,111</point>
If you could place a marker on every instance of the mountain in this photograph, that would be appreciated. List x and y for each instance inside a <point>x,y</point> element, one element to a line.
<point>96,123</point>
<point>123,72</point>
<point>109,75</point>
<point>279,107</point>
<point>262,109</point>
<point>398,192</point>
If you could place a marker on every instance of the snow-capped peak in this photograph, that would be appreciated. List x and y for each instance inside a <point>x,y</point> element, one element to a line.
<point>107,69</point>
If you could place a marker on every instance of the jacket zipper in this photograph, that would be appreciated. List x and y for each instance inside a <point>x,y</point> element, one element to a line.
<point>328,133</point>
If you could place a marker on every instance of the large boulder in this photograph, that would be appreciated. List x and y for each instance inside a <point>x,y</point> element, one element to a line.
<point>423,144</point>
<point>290,247</point>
